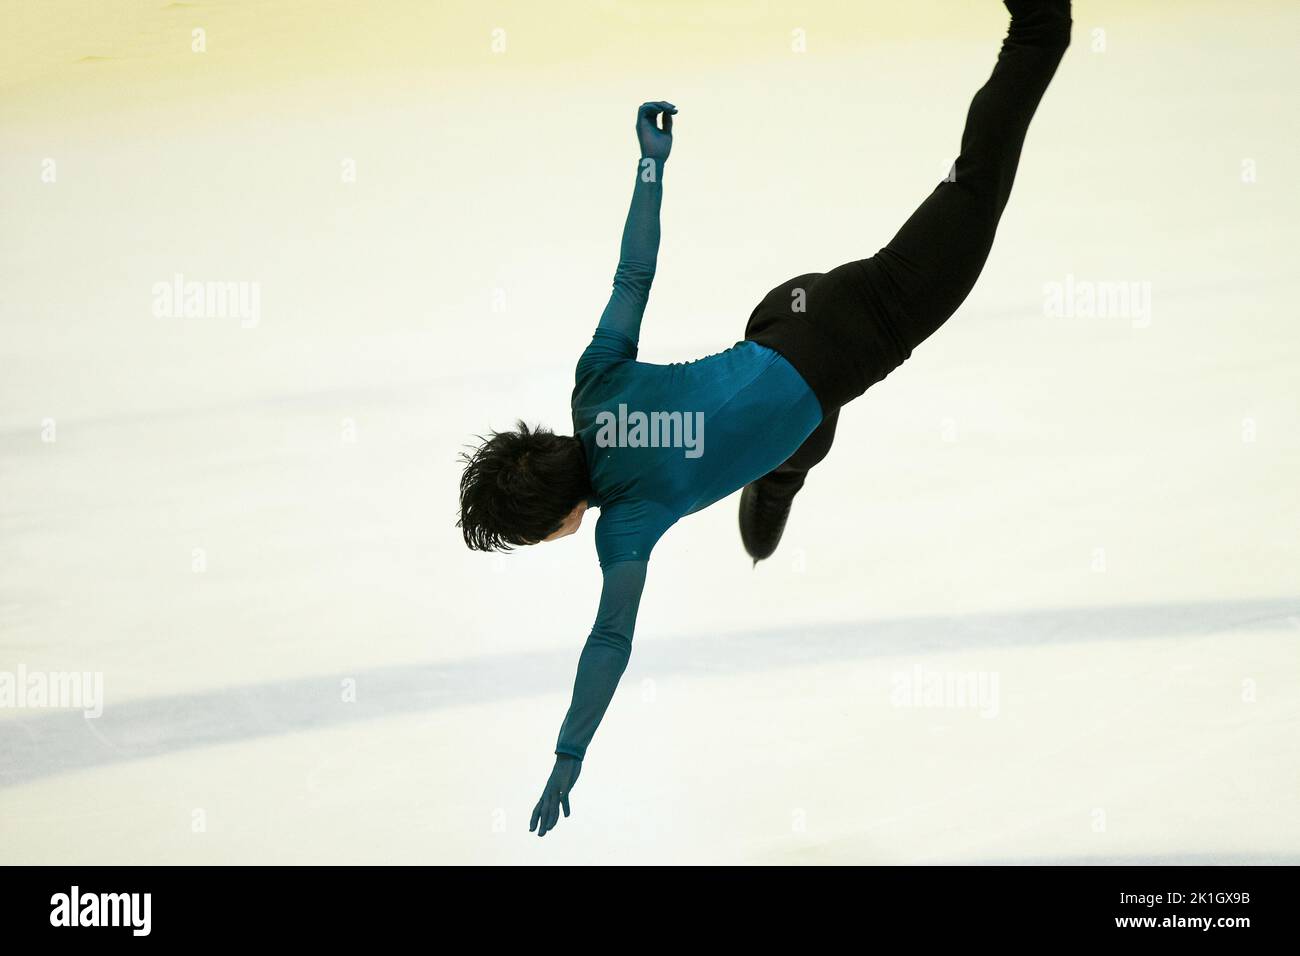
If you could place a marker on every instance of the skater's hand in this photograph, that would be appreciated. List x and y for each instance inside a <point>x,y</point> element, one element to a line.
<point>656,143</point>
<point>556,794</point>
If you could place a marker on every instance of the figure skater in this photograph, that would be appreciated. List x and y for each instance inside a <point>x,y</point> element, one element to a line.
<point>654,443</point>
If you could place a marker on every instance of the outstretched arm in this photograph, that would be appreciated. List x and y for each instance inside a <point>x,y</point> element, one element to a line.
<point>639,250</point>
<point>603,659</point>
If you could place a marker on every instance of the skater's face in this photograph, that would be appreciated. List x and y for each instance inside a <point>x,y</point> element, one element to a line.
<point>571,523</point>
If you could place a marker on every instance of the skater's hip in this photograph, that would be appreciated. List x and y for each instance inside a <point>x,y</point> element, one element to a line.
<point>835,328</point>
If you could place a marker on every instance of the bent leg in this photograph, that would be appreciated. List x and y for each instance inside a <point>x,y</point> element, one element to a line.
<point>765,503</point>
<point>788,477</point>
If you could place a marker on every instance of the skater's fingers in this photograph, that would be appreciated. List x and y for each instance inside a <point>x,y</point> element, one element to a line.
<point>554,817</point>
<point>664,114</point>
<point>564,802</point>
<point>649,113</point>
<point>536,818</point>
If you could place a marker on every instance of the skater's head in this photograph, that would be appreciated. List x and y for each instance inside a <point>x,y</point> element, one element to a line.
<point>522,487</point>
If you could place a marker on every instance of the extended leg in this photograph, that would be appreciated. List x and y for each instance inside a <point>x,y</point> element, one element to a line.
<point>926,271</point>
<point>930,266</point>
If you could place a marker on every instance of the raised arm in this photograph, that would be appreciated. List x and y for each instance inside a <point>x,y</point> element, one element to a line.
<point>639,250</point>
<point>600,666</point>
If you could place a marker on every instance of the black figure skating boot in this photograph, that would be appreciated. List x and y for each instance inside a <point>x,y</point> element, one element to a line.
<point>763,512</point>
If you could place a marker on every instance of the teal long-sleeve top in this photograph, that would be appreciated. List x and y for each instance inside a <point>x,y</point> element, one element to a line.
<point>662,442</point>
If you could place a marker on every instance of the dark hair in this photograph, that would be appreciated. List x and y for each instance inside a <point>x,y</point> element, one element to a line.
<point>519,486</point>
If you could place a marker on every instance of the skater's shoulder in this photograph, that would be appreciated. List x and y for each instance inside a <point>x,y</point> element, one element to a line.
<point>607,348</point>
<point>629,527</point>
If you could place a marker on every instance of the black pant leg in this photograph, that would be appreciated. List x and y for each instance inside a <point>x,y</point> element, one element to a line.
<point>911,287</point>
<point>788,477</point>
<point>931,265</point>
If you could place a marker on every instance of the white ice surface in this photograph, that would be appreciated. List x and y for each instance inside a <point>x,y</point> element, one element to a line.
<point>1101,513</point>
